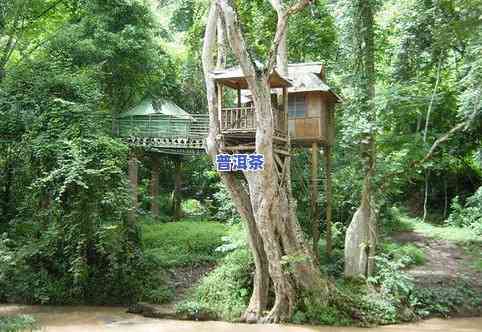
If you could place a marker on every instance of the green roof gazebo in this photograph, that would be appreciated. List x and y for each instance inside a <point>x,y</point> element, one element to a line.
<point>161,123</point>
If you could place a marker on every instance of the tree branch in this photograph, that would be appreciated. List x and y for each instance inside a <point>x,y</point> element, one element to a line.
<point>236,40</point>
<point>47,10</point>
<point>283,16</point>
<point>416,163</point>
<point>445,137</point>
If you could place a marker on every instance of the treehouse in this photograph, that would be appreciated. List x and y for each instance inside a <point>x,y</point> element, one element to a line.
<point>238,122</point>
<point>307,118</point>
<point>163,124</point>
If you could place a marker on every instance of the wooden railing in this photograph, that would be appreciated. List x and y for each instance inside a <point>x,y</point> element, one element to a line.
<point>243,120</point>
<point>164,126</point>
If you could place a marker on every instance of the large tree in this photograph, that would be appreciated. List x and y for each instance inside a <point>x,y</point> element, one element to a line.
<point>361,234</point>
<point>282,257</point>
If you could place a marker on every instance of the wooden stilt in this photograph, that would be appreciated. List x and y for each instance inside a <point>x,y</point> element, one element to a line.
<point>220,104</point>
<point>285,109</point>
<point>328,197</point>
<point>154,185</point>
<point>239,97</point>
<point>133,170</point>
<point>176,197</point>
<point>315,210</point>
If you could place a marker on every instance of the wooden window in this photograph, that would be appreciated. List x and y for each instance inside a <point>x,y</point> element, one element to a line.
<point>297,106</point>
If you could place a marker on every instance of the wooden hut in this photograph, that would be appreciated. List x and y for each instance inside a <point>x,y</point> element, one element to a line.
<point>308,117</point>
<point>311,106</point>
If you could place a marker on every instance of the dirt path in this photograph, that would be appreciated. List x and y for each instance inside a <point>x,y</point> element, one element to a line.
<point>446,261</point>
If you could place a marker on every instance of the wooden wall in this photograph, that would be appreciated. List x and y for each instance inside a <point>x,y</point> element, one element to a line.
<point>318,123</point>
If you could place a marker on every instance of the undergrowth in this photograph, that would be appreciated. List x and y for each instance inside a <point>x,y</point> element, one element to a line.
<point>171,245</point>
<point>412,254</point>
<point>17,323</point>
<point>183,243</point>
<point>224,292</point>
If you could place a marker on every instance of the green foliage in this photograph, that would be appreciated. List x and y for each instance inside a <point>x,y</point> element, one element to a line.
<point>413,254</point>
<point>385,298</point>
<point>194,208</point>
<point>445,300</point>
<point>450,233</point>
<point>183,243</point>
<point>226,210</point>
<point>17,323</point>
<point>393,221</point>
<point>226,290</point>
<point>394,286</point>
<point>77,246</point>
<point>469,215</point>
<point>64,196</point>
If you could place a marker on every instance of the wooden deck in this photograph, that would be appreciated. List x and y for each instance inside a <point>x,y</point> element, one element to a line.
<point>176,135</point>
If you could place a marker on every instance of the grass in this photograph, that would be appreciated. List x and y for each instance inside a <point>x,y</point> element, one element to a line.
<point>450,233</point>
<point>168,246</point>
<point>473,250</point>
<point>184,242</point>
<point>17,323</point>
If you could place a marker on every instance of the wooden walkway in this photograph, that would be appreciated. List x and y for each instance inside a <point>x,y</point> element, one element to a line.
<point>170,135</point>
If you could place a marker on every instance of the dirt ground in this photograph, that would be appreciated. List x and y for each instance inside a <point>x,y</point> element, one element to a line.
<point>183,278</point>
<point>446,261</point>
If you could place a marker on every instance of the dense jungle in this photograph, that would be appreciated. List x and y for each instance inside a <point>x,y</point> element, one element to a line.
<point>90,219</point>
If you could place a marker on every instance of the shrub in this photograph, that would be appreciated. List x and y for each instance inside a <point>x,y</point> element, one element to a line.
<point>226,210</point>
<point>469,215</point>
<point>17,323</point>
<point>446,299</point>
<point>410,253</point>
<point>225,291</point>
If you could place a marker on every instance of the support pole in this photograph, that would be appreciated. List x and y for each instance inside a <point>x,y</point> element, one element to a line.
<point>154,185</point>
<point>220,104</point>
<point>239,97</point>
<point>176,197</point>
<point>285,108</point>
<point>133,170</point>
<point>315,209</point>
<point>328,197</point>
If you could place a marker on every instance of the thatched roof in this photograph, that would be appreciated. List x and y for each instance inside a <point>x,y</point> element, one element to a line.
<point>157,107</point>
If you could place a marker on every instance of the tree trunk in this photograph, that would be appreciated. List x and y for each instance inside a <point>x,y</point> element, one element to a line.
<point>281,253</point>
<point>360,239</point>
<point>154,185</point>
